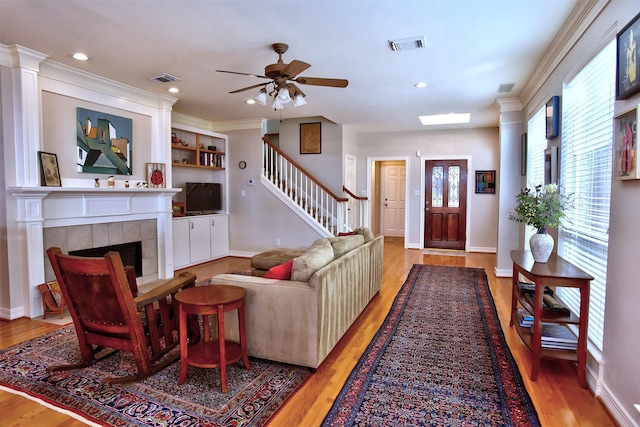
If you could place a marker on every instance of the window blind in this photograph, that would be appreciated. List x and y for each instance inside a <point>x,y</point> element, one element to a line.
<point>585,171</point>
<point>536,144</point>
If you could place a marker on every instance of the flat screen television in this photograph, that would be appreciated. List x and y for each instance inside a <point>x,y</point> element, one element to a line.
<point>203,197</point>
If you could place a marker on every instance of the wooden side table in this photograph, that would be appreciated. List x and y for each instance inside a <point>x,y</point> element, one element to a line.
<point>559,273</point>
<point>212,300</point>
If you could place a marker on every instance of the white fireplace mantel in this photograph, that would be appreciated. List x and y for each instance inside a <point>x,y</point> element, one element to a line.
<point>46,207</point>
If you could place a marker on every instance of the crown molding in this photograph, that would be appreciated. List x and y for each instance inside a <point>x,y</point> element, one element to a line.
<point>508,104</point>
<point>581,17</point>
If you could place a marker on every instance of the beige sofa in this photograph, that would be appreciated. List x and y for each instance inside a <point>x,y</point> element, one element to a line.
<point>300,321</point>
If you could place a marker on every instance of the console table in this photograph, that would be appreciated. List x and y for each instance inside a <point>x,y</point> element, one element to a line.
<point>556,272</point>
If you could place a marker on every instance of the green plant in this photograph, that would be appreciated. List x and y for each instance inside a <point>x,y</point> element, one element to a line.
<point>543,207</point>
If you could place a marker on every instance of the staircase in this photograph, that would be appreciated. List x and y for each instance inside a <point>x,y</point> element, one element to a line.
<point>305,195</point>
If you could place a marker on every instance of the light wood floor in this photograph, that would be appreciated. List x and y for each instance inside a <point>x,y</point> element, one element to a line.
<point>556,394</point>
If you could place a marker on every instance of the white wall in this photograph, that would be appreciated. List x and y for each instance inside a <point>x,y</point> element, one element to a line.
<point>620,381</point>
<point>257,218</point>
<point>481,145</point>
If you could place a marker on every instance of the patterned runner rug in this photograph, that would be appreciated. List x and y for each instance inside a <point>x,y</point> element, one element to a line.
<point>439,359</point>
<point>253,396</point>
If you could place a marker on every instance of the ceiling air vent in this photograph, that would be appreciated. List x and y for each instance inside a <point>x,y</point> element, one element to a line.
<point>163,78</point>
<point>417,42</point>
<point>506,87</point>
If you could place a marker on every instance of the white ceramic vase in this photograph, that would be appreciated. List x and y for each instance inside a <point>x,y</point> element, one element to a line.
<point>541,245</point>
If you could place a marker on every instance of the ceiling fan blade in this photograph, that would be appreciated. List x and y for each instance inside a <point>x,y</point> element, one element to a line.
<point>250,87</point>
<point>317,81</point>
<point>243,74</point>
<point>294,68</point>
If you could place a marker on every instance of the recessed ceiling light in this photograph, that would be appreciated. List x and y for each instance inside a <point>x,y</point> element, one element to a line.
<point>250,101</point>
<point>445,119</point>
<point>174,90</point>
<point>80,56</point>
<point>421,84</point>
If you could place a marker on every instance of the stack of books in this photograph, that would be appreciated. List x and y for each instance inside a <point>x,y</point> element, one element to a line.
<point>525,319</point>
<point>557,336</point>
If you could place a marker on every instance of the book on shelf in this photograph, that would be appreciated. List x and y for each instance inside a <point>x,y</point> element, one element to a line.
<point>559,345</point>
<point>557,333</point>
<point>525,319</point>
<point>549,304</point>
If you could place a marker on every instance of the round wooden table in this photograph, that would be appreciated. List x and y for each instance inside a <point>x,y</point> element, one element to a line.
<point>213,300</point>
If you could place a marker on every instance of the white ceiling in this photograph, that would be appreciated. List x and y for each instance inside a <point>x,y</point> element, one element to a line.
<point>473,46</point>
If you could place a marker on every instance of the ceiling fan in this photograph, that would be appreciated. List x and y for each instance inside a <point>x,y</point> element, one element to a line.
<point>283,76</point>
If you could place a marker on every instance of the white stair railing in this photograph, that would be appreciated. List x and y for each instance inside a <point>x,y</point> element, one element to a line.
<point>357,210</point>
<point>328,212</point>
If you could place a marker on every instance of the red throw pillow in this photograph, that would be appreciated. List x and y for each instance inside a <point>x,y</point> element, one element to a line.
<point>345,234</point>
<point>282,271</point>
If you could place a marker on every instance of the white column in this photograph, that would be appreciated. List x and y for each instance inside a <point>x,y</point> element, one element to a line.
<point>509,182</point>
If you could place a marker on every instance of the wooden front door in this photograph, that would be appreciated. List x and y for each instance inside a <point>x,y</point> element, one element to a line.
<point>445,207</point>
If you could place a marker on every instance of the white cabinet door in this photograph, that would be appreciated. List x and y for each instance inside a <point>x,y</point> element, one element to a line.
<point>219,236</point>
<point>199,239</point>
<point>181,257</point>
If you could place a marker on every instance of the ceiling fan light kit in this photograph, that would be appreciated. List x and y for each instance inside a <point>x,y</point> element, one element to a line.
<point>282,77</point>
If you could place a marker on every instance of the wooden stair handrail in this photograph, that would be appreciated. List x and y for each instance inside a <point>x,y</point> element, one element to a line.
<point>304,171</point>
<point>346,190</point>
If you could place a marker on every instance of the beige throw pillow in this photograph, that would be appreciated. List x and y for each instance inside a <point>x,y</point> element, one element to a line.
<point>343,244</point>
<point>317,256</point>
<point>364,231</point>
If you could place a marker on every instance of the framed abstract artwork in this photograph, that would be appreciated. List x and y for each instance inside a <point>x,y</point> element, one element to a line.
<point>625,145</point>
<point>486,182</point>
<point>104,143</point>
<point>627,64</point>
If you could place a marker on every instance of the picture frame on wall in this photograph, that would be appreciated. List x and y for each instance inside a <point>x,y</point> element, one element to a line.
<point>310,138</point>
<point>625,145</point>
<point>551,161</point>
<point>49,170</point>
<point>523,154</point>
<point>486,182</point>
<point>553,117</point>
<point>627,59</point>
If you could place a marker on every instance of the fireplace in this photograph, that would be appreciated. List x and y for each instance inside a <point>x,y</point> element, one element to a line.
<point>136,241</point>
<point>77,218</point>
<point>130,254</point>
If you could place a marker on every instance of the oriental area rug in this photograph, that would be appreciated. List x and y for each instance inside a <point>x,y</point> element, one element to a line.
<point>439,359</point>
<point>253,396</point>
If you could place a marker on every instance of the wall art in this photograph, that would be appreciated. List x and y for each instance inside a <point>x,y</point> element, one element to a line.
<point>310,138</point>
<point>104,143</point>
<point>486,182</point>
<point>627,55</point>
<point>625,145</point>
<point>49,171</point>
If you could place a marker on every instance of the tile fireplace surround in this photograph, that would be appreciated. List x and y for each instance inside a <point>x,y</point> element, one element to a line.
<point>81,218</point>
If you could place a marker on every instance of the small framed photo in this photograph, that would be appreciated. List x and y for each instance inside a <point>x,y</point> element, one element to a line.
<point>523,154</point>
<point>553,117</point>
<point>155,175</point>
<point>625,145</point>
<point>627,59</point>
<point>310,138</point>
<point>486,182</point>
<point>49,171</point>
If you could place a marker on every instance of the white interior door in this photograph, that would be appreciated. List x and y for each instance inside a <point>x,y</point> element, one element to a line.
<point>393,198</point>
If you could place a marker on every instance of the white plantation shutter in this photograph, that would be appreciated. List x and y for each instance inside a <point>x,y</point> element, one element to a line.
<point>536,144</point>
<point>585,165</point>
